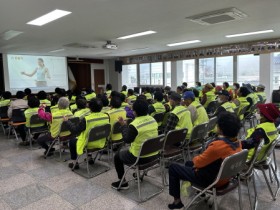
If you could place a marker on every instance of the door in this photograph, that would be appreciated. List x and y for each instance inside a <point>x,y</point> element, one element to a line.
<point>99,80</point>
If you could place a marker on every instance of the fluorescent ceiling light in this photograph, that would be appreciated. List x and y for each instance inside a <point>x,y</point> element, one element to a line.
<point>10,34</point>
<point>183,43</point>
<point>58,50</point>
<point>138,49</point>
<point>249,33</point>
<point>138,34</point>
<point>49,17</point>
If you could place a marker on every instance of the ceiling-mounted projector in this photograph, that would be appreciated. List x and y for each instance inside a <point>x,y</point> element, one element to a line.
<point>110,45</point>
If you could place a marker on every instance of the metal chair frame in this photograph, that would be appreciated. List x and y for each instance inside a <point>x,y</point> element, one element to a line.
<point>17,119</point>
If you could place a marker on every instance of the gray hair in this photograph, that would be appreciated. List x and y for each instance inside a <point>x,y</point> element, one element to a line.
<point>63,103</point>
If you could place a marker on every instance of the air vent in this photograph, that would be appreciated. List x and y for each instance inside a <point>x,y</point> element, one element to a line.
<point>218,16</point>
<point>79,45</point>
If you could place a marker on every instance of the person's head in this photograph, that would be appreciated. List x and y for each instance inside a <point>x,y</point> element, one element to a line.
<point>167,89</point>
<point>228,124</point>
<point>63,103</point>
<point>130,92</point>
<point>236,86</point>
<point>95,105</point>
<point>81,103</point>
<point>115,102</point>
<point>218,89</point>
<point>33,102</point>
<point>198,84</point>
<point>260,88</point>
<point>42,95</point>
<point>158,96</point>
<point>213,84</point>
<point>195,92</point>
<point>104,100</point>
<point>108,87</point>
<point>225,85</point>
<point>41,62</point>
<point>185,84</point>
<point>208,87</point>
<point>27,91</point>
<point>175,99</point>
<point>115,94</point>
<point>147,90</point>
<point>57,90</point>
<point>188,97</point>
<point>89,90</point>
<point>179,89</point>
<point>141,97</point>
<point>249,87</point>
<point>223,96</point>
<point>268,112</point>
<point>62,92</point>
<point>122,97</point>
<point>20,94</point>
<point>243,91</point>
<point>124,88</point>
<point>140,108</point>
<point>7,95</point>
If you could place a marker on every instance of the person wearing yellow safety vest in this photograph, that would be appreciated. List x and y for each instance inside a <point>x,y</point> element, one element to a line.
<point>260,93</point>
<point>42,96</point>
<point>225,105</point>
<point>208,95</point>
<point>241,100</point>
<point>265,130</point>
<point>179,117</point>
<point>227,88</point>
<point>95,118</point>
<point>124,90</point>
<point>124,104</point>
<point>252,97</point>
<point>6,99</point>
<point>82,110</point>
<point>130,96</point>
<point>108,90</point>
<point>147,93</point>
<point>157,106</point>
<point>198,112</point>
<point>179,90</point>
<point>56,120</point>
<point>235,88</point>
<point>105,103</point>
<point>90,94</point>
<point>143,127</point>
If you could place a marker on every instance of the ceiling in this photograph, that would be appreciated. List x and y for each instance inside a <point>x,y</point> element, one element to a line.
<point>93,22</point>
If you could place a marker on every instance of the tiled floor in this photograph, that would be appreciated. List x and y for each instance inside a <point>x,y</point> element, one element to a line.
<point>28,181</point>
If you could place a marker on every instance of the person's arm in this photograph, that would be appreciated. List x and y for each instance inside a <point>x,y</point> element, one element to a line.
<point>203,99</point>
<point>29,75</point>
<point>151,109</point>
<point>254,139</point>
<point>10,109</point>
<point>129,133</point>
<point>172,121</point>
<point>76,129</point>
<point>44,115</point>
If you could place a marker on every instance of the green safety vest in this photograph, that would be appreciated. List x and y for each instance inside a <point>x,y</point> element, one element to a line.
<point>123,105</point>
<point>228,107</point>
<point>124,92</point>
<point>57,119</point>
<point>132,98</point>
<point>73,99</point>
<point>45,101</point>
<point>93,120</point>
<point>254,97</point>
<point>73,107</point>
<point>148,96</point>
<point>184,117</point>
<point>262,94</point>
<point>159,108</point>
<point>147,128</point>
<point>242,103</point>
<point>114,115</point>
<point>210,97</point>
<point>105,109</point>
<point>270,131</point>
<point>28,113</point>
<point>5,102</point>
<point>202,116</point>
<point>54,108</point>
<point>82,113</point>
<point>90,96</point>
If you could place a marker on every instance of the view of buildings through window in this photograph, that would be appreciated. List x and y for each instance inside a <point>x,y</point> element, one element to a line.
<point>129,75</point>
<point>276,71</point>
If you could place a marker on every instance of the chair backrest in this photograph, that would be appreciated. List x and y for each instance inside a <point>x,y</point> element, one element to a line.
<point>212,123</point>
<point>99,132</point>
<point>159,117</point>
<point>74,120</point>
<point>35,120</point>
<point>116,128</point>
<point>18,115</point>
<point>4,112</point>
<point>175,136</point>
<point>232,165</point>
<point>269,149</point>
<point>199,132</point>
<point>152,145</point>
<point>243,111</point>
<point>212,106</point>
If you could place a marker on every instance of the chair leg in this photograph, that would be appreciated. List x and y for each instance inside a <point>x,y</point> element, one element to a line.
<point>15,132</point>
<point>138,183</point>
<point>51,146</point>
<point>30,139</point>
<point>239,194</point>
<point>87,164</point>
<point>277,181</point>
<point>123,178</point>
<point>255,191</point>
<point>249,193</point>
<point>215,199</point>
<point>268,184</point>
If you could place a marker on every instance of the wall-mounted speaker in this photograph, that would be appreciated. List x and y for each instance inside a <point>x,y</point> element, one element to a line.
<point>118,66</point>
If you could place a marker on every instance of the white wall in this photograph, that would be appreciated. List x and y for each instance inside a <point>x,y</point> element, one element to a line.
<point>266,74</point>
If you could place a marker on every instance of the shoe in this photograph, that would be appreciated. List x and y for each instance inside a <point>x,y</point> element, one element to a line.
<point>70,165</point>
<point>124,186</point>
<point>176,206</point>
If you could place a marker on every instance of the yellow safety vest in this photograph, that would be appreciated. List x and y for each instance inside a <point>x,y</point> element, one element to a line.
<point>184,117</point>
<point>210,97</point>
<point>124,105</point>
<point>132,98</point>
<point>124,92</point>
<point>148,96</point>
<point>242,103</point>
<point>5,102</point>
<point>93,120</point>
<point>82,113</point>
<point>54,108</point>
<point>254,97</point>
<point>73,107</point>
<point>270,131</point>
<point>262,94</point>
<point>114,115</point>
<point>28,113</point>
<point>202,116</point>
<point>73,99</point>
<point>57,119</point>
<point>105,109</point>
<point>90,96</point>
<point>228,106</point>
<point>108,92</point>
<point>45,101</point>
<point>147,128</point>
<point>159,108</point>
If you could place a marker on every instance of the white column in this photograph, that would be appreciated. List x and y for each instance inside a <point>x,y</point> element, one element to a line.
<point>266,74</point>
<point>173,75</point>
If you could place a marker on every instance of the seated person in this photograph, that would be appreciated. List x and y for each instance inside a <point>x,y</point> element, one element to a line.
<point>90,94</point>
<point>203,169</point>
<point>124,104</point>
<point>224,103</point>
<point>167,105</point>
<point>179,90</point>
<point>6,99</point>
<point>208,95</point>
<point>95,118</point>
<point>105,103</point>
<point>82,109</point>
<point>157,106</point>
<point>265,130</point>
<point>108,90</point>
<point>124,90</point>
<point>55,120</point>
<point>241,100</point>
<point>147,93</point>
<point>142,128</point>
<point>42,96</point>
<point>130,96</point>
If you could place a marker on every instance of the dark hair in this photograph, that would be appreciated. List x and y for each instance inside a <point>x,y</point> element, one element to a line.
<point>115,94</point>
<point>148,90</point>
<point>56,90</point>
<point>62,92</point>
<point>33,102</point>
<point>213,84</point>
<point>130,91</point>
<point>180,88</point>
<point>185,84</point>
<point>158,96</point>
<point>104,100</point>
<point>140,107</point>
<point>237,85</point>
<point>7,95</point>
<point>108,87</point>
<point>95,105</point>
<point>226,84</point>
<point>81,103</point>
<point>141,97</point>
<point>195,92</point>
<point>20,94</point>
<point>198,83</point>
<point>229,124</point>
<point>244,91</point>
<point>27,91</point>
<point>124,87</point>
<point>42,95</point>
<point>89,90</point>
<point>116,102</point>
<point>122,97</point>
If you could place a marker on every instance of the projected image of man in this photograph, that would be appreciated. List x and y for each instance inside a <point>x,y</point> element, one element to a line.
<point>42,72</point>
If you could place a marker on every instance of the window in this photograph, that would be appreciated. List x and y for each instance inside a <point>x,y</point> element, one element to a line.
<point>145,76</point>
<point>189,72</point>
<point>248,69</point>
<point>156,74</point>
<point>276,70</point>
<point>206,70</point>
<point>224,70</point>
<point>129,75</point>
<point>167,69</point>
